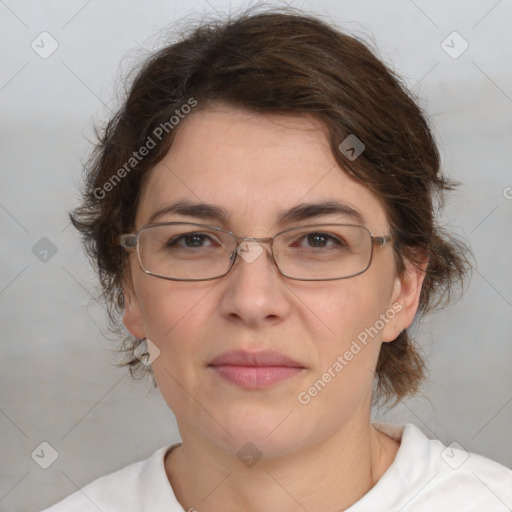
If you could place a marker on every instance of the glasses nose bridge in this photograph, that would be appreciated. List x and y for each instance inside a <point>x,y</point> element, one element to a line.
<point>241,239</point>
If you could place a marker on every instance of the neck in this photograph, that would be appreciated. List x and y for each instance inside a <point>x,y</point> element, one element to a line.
<point>327,476</point>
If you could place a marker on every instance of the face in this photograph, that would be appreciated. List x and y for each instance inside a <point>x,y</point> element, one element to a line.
<point>254,167</point>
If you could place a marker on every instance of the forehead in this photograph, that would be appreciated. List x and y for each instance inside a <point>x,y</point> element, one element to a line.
<point>253,166</point>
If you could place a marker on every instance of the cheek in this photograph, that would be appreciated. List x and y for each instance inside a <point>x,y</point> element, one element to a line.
<point>340,312</point>
<point>345,324</point>
<point>347,354</point>
<point>172,313</point>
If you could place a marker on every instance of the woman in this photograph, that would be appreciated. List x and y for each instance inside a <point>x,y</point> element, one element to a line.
<point>261,213</point>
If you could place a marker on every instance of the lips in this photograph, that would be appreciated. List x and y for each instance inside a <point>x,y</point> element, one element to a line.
<point>243,358</point>
<point>255,370</point>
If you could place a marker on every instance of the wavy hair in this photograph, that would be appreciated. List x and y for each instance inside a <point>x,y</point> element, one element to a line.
<point>280,61</point>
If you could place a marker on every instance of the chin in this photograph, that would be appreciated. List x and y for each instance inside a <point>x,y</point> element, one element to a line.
<point>273,433</point>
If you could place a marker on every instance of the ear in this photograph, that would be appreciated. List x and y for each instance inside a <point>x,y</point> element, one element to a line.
<point>132,316</point>
<point>405,299</point>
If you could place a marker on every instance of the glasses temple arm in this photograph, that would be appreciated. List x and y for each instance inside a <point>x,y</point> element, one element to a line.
<point>128,241</point>
<point>382,240</point>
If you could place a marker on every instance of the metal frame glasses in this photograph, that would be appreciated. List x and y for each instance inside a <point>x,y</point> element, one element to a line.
<point>310,257</point>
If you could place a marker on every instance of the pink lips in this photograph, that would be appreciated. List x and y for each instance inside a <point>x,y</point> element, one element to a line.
<point>255,370</point>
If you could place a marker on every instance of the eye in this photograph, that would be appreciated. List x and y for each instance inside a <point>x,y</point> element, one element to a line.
<point>190,241</point>
<point>319,240</point>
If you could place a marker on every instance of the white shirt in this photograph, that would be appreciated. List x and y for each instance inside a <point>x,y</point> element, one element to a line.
<point>426,476</point>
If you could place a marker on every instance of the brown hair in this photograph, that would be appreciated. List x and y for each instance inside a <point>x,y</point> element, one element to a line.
<point>279,61</point>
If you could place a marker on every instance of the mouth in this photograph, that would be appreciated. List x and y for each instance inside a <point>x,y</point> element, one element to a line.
<point>255,370</point>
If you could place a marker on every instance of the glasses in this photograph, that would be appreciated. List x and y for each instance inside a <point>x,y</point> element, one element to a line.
<point>185,251</point>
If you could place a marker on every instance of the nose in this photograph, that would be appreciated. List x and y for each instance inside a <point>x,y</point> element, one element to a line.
<point>254,292</point>
<point>249,249</point>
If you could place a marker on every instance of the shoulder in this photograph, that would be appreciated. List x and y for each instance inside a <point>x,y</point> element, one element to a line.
<point>429,475</point>
<point>120,490</point>
<point>468,478</point>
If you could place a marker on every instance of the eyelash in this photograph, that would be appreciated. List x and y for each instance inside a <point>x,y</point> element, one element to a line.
<point>175,241</point>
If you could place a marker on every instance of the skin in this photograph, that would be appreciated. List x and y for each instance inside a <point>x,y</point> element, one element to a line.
<point>322,456</point>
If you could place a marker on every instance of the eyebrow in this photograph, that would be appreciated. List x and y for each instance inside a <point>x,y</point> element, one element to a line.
<point>297,213</point>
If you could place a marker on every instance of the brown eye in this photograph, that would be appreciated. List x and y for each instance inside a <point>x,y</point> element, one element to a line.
<point>190,240</point>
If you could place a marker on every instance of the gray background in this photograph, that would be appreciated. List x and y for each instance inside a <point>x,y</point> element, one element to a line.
<point>58,384</point>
